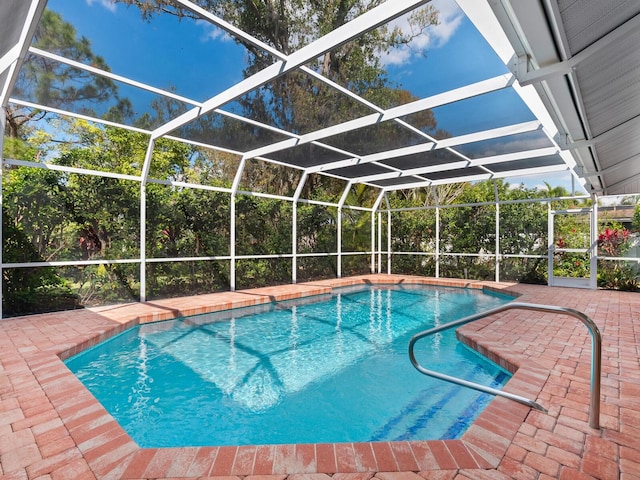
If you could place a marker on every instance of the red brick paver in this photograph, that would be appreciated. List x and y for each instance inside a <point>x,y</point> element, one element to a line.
<point>52,428</point>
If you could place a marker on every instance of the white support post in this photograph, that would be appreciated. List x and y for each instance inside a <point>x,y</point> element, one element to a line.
<point>497,246</point>
<point>232,225</point>
<point>10,63</point>
<point>497,276</point>
<point>550,246</point>
<point>388,238</point>
<point>376,209</point>
<point>294,228</point>
<point>437,241</point>
<point>343,199</point>
<point>143,242</point>
<point>386,201</point>
<point>143,219</point>
<point>3,121</point>
<point>593,273</point>
<point>435,198</point>
<point>339,243</point>
<point>294,242</point>
<point>379,241</point>
<point>372,269</point>
<point>232,242</point>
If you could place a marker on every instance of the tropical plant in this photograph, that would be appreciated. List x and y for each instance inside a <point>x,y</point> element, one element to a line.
<point>614,241</point>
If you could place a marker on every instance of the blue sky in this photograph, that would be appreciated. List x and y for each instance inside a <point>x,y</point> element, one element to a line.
<point>190,54</point>
<point>166,51</point>
<point>199,60</point>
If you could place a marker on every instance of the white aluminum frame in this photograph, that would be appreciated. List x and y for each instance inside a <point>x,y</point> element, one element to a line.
<point>478,12</point>
<point>591,250</point>
<point>498,255</point>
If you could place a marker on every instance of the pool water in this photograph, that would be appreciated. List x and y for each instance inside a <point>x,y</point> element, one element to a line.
<point>331,368</point>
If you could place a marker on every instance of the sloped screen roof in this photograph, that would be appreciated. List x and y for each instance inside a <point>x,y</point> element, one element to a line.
<point>441,106</point>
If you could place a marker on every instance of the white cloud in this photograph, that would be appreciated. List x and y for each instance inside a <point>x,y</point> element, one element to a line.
<point>213,33</point>
<point>397,56</point>
<point>108,4</point>
<point>555,179</point>
<point>450,17</point>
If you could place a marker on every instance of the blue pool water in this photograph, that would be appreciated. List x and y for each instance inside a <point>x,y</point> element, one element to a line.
<point>322,369</point>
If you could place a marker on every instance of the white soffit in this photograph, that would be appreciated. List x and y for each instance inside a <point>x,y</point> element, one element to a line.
<point>583,59</point>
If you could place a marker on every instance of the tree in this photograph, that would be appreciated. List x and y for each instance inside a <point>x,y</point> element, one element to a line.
<point>523,231</point>
<point>29,290</point>
<point>56,84</point>
<point>289,25</point>
<point>296,101</point>
<point>35,205</point>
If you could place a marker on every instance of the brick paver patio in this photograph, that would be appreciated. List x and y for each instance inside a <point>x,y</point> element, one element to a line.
<point>51,427</point>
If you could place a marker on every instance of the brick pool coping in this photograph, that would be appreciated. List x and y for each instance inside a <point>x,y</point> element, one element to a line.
<point>52,427</point>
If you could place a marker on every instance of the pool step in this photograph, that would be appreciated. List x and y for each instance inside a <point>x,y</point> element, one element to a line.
<point>441,410</point>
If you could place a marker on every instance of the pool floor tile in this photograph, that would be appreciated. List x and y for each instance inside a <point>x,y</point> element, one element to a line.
<point>51,427</point>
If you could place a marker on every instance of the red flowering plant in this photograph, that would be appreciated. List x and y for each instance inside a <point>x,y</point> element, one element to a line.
<point>613,242</point>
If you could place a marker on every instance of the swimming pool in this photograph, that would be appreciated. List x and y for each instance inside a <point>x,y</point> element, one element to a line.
<point>322,369</point>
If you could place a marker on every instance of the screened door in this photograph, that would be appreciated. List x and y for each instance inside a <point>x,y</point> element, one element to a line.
<point>572,261</point>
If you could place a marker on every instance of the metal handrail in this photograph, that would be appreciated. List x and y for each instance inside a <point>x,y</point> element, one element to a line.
<point>596,355</point>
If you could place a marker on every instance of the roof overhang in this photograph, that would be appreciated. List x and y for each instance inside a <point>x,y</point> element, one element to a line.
<point>583,60</point>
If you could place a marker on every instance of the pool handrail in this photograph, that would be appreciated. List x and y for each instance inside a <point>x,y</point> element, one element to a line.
<point>596,355</point>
